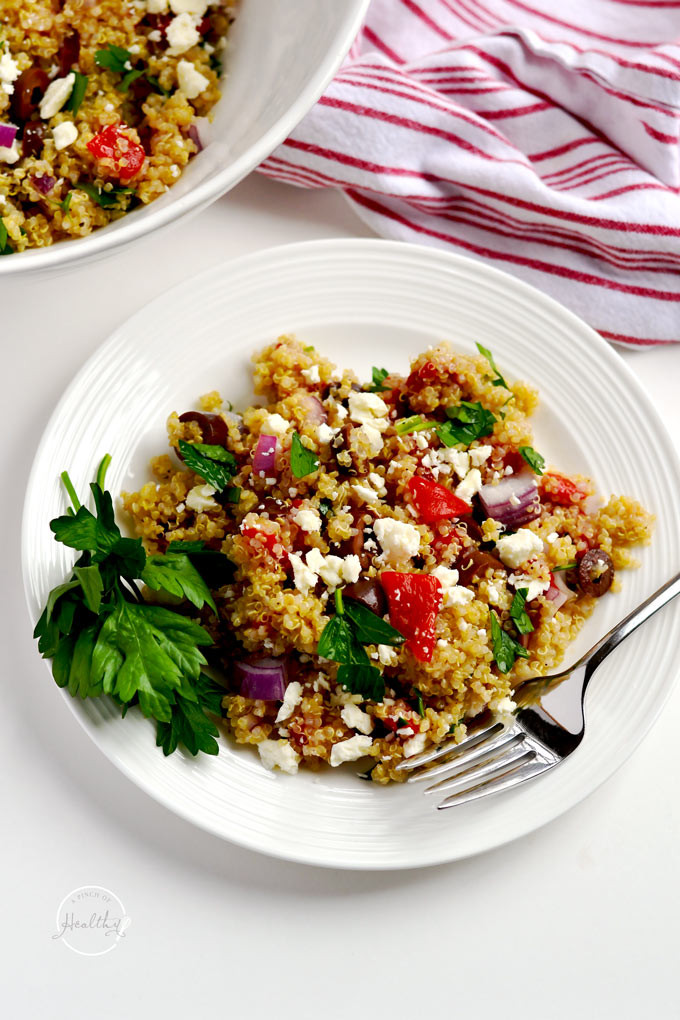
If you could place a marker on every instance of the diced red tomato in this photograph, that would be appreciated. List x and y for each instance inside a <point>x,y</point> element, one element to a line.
<point>117,154</point>
<point>559,489</point>
<point>434,502</point>
<point>271,540</point>
<point>414,601</point>
<point>422,376</point>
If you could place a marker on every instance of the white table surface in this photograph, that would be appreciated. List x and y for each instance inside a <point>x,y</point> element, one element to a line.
<point>583,913</point>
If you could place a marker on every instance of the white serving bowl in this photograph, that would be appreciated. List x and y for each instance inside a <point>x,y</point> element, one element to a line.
<point>281,56</point>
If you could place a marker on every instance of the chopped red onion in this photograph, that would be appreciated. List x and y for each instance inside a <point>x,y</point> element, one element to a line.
<point>512,501</point>
<point>44,183</point>
<point>195,137</point>
<point>316,413</point>
<point>264,458</point>
<point>8,133</point>
<point>262,679</point>
<point>558,593</point>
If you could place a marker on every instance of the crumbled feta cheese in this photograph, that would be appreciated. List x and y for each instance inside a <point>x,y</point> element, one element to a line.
<point>157,6</point>
<point>279,754</point>
<point>9,153</point>
<point>303,575</point>
<point>190,80</point>
<point>453,594</point>
<point>353,717</point>
<point>325,434</point>
<point>372,438</point>
<point>415,745</point>
<point>365,492</point>
<point>181,34</point>
<point>479,455</point>
<point>552,537</point>
<point>351,568</point>
<point>154,35</point>
<point>387,655</point>
<point>331,570</point>
<point>459,460</point>
<point>308,520</point>
<point>534,587</point>
<point>341,412</point>
<point>274,425</point>
<point>9,72</point>
<point>197,7</point>
<point>493,594</point>
<point>377,482</point>
<point>291,699</point>
<point>350,750</point>
<point>399,541</point>
<point>200,498</point>
<point>421,441</point>
<point>64,134</point>
<point>311,374</point>
<point>514,550</point>
<point>368,409</point>
<point>57,93</point>
<point>470,485</point>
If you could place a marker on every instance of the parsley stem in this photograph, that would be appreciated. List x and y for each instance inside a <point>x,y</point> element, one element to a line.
<point>68,485</point>
<point>339,608</point>
<point>102,469</point>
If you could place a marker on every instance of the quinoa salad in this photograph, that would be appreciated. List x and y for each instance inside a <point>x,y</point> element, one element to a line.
<point>388,559</point>
<point>102,105</point>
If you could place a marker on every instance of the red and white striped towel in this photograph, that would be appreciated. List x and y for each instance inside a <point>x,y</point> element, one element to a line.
<point>539,136</point>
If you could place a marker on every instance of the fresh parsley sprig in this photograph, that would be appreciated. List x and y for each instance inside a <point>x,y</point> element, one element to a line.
<point>104,639</point>
<point>119,61</point>
<point>343,638</point>
<point>466,422</point>
<point>518,612</point>
<point>498,379</point>
<point>533,459</point>
<point>302,460</point>
<point>213,463</point>
<point>378,376</point>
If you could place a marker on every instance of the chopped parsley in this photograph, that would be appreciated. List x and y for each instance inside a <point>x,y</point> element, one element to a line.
<point>498,380</point>
<point>104,639</point>
<point>77,92</point>
<point>518,612</point>
<point>378,376</point>
<point>302,461</point>
<point>213,463</point>
<point>533,459</point>
<point>414,424</point>
<point>128,79</point>
<point>325,507</point>
<point>5,247</point>
<point>114,58</point>
<point>505,648</point>
<point>106,199</point>
<point>66,204</point>
<point>342,640</point>
<point>467,422</point>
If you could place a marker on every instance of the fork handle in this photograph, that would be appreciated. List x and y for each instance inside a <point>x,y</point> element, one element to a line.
<point>617,634</point>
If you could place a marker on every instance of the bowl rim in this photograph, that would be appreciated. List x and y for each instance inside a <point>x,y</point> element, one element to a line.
<point>65,254</point>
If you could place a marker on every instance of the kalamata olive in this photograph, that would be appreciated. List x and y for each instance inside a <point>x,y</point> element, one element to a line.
<point>369,593</point>
<point>33,138</point>
<point>68,53</point>
<point>595,572</point>
<point>475,563</point>
<point>213,428</point>
<point>29,89</point>
<point>473,529</point>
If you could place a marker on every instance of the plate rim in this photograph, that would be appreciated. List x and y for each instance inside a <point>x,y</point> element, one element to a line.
<point>321,247</point>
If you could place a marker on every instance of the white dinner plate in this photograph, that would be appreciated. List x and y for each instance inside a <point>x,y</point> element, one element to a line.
<point>364,303</point>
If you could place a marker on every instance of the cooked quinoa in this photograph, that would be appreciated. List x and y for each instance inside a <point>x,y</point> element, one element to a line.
<point>387,504</point>
<point>140,72</point>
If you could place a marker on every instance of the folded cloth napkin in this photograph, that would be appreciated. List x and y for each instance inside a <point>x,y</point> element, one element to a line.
<point>542,137</point>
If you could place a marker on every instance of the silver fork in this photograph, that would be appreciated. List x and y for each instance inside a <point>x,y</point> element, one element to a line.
<point>501,756</point>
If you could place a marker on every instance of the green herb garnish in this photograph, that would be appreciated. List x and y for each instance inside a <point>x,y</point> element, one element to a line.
<point>342,640</point>
<point>302,461</point>
<point>128,79</point>
<point>518,612</point>
<point>565,566</point>
<point>104,639</point>
<point>5,247</point>
<point>378,376</point>
<point>77,92</point>
<point>421,703</point>
<point>114,58</point>
<point>106,199</point>
<point>325,507</point>
<point>414,424</point>
<point>467,422</point>
<point>498,380</point>
<point>505,648</point>
<point>533,459</point>
<point>66,204</point>
<point>213,463</point>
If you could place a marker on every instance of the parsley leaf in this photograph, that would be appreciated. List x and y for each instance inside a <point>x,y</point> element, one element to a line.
<point>91,582</point>
<point>533,459</point>
<point>325,507</point>
<point>189,724</point>
<point>77,92</point>
<point>364,679</point>
<point>371,629</point>
<point>505,648</point>
<point>106,199</point>
<point>378,376</point>
<point>467,422</point>
<point>113,58</point>
<point>5,247</point>
<point>499,380</point>
<point>66,204</point>
<point>518,612</point>
<point>213,463</point>
<point>302,461</point>
<point>128,79</point>
<point>175,573</point>
<point>337,641</point>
